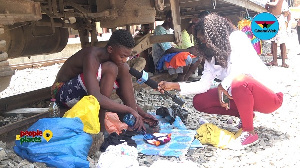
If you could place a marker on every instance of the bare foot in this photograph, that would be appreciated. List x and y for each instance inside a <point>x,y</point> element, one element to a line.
<point>285,65</point>
<point>272,63</point>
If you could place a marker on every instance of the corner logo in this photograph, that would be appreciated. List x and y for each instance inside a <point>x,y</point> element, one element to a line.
<point>265,26</point>
<point>34,136</point>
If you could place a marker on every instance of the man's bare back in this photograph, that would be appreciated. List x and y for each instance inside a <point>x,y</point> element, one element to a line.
<point>91,56</point>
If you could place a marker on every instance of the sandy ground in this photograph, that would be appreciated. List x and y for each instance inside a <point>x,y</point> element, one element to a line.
<point>278,132</point>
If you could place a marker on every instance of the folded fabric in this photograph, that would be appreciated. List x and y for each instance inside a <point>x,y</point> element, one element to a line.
<point>179,60</point>
<point>165,58</point>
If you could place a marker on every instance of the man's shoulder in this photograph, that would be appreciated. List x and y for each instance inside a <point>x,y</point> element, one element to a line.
<point>93,54</point>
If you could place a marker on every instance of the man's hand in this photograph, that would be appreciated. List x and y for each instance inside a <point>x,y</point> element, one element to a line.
<point>149,119</point>
<point>194,51</point>
<point>139,123</point>
<point>220,91</point>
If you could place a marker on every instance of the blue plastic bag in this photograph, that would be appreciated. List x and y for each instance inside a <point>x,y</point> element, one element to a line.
<point>68,147</point>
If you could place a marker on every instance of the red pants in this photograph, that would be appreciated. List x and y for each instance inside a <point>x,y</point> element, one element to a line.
<point>248,95</point>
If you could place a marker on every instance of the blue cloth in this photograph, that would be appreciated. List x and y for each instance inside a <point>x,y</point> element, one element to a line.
<point>181,139</point>
<point>68,147</point>
<point>165,58</point>
<point>70,92</point>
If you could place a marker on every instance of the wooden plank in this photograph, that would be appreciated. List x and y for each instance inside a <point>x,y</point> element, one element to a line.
<point>247,4</point>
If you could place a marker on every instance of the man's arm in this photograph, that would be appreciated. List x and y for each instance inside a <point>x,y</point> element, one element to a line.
<point>172,50</point>
<point>90,69</point>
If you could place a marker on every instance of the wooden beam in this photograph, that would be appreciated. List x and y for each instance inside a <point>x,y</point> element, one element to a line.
<point>246,4</point>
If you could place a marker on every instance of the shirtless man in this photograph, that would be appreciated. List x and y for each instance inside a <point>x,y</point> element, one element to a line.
<point>97,71</point>
<point>279,8</point>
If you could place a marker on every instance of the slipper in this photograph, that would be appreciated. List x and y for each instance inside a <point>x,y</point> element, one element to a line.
<point>285,65</point>
<point>269,54</point>
<point>271,64</point>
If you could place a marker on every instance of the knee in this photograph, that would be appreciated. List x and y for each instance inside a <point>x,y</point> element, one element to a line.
<point>239,83</point>
<point>198,102</point>
<point>123,68</point>
<point>109,68</point>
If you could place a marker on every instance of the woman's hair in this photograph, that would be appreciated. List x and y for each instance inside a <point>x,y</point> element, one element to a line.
<point>121,38</point>
<point>216,31</point>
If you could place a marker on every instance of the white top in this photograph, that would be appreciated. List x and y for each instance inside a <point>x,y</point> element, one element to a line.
<point>285,6</point>
<point>242,60</point>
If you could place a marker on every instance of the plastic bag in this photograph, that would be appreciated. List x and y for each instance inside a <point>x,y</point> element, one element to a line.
<point>211,134</point>
<point>68,147</point>
<point>87,109</point>
<point>113,123</point>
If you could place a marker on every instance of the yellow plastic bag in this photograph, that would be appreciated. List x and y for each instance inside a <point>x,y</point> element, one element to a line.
<point>87,109</point>
<point>211,134</point>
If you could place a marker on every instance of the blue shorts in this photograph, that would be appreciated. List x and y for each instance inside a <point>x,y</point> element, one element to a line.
<point>70,93</point>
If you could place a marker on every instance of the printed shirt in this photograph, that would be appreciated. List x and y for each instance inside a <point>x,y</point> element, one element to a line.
<point>158,49</point>
<point>242,60</point>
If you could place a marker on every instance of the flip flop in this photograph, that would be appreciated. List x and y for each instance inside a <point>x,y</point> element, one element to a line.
<point>271,64</point>
<point>285,65</point>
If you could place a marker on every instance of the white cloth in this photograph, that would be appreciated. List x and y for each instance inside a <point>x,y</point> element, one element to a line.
<point>282,35</point>
<point>242,60</point>
<point>285,6</point>
<point>121,156</point>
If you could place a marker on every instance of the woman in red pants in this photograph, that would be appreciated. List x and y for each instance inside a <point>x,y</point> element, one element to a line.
<point>245,80</point>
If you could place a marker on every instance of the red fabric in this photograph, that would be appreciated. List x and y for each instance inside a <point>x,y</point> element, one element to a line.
<point>248,95</point>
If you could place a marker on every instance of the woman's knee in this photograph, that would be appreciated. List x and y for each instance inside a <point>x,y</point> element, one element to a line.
<point>239,82</point>
<point>198,102</point>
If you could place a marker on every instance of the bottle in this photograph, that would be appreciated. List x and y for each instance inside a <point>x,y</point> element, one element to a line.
<point>53,109</point>
<point>129,119</point>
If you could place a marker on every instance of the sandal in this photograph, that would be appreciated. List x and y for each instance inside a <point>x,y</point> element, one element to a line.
<point>285,65</point>
<point>269,54</point>
<point>271,64</point>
